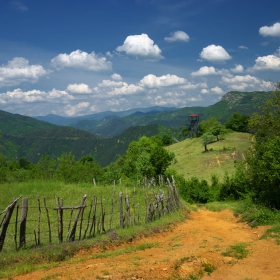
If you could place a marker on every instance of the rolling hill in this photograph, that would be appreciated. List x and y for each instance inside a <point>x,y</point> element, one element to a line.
<point>192,161</point>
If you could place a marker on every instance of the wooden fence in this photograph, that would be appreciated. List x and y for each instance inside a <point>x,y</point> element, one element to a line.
<point>41,225</point>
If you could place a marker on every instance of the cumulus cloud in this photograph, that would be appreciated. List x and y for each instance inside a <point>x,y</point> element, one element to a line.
<point>237,69</point>
<point>194,86</point>
<point>79,88</point>
<point>273,30</point>
<point>116,77</point>
<point>214,53</point>
<point>206,71</point>
<point>269,62</point>
<point>171,101</point>
<point>217,90</point>
<point>18,71</point>
<point>246,82</point>
<point>82,60</point>
<point>126,90</point>
<point>73,110</point>
<point>204,91</point>
<point>18,96</point>
<point>152,81</point>
<point>141,46</point>
<point>109,83</point>
<point>177,36</point>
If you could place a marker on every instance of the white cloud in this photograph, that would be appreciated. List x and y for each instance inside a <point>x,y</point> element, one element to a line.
<point>79,88</point>
<point>204,91</point>
<point>126,90</point>
<point>246,82</point>
<point>240,79</point>
<point>204,71</point>
<point>141,46</point>
<point>238,68</point>
<point>269,62</point>
<point>194,86</point>
<point>273,30</point>
<point>109,54</point>
<point>18,96</point>
<point>177,36</point>
<point>109,83</point>
<point>217,90</point>
<point>160,101</point>
<point>73,110</point>
<point>152,81</point>
<point>116,77</point>
<point>82,60</point>
<point>18,71</point>
<point>215,53</point>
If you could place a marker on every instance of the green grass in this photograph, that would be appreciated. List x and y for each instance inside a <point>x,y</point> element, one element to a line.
<point>17,262</point>
<point>191,160</point>
<point>238,251</point>
<point>273,232</point>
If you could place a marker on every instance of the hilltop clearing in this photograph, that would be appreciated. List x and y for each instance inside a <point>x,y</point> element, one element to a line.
<point>192,161</point>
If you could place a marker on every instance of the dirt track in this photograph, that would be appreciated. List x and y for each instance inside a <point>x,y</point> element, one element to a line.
<point>180,253</point>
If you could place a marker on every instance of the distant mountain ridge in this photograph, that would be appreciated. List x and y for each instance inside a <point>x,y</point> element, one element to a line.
<point>30,138</point>
<point>59,120</point>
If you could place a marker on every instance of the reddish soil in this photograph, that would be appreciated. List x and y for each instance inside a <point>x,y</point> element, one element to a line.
<point>183,252</point>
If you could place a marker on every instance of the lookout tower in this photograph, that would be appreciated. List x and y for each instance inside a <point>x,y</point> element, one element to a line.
<point>193,124</point>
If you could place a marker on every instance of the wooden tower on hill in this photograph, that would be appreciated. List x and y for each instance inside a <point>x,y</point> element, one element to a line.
<point>193,124</point>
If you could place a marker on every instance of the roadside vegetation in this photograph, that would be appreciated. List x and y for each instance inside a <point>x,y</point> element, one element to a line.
<point>235,165</point>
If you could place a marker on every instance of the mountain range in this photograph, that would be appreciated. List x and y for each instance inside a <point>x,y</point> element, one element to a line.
<point>107,135</point>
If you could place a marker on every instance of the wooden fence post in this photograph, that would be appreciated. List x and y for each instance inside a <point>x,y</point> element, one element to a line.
<point>5,222</point>
<point>121,210</point>
<point>72,234</point>
<point>128,210</point>
<point>93,224</point>
<point>39,221</point>
<point>49,222</point>
<point>16,228</point>
<point>60,224</point>
<point>23,218</point>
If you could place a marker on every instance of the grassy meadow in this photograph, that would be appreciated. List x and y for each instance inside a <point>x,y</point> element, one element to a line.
<point>192,161</point>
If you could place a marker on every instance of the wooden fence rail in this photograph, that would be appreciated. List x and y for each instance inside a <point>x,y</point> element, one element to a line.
<point>89,220</point>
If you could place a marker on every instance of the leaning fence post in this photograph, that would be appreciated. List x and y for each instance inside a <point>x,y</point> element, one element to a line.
<point>23,218</point>
<point>72,234</point>
<point>5,223</point>
<point>60,227</point>
<point>16,228</point>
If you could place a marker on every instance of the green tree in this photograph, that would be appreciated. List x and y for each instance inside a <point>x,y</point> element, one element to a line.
<point>160,159</point>
<point>238,123</point>
<point>263,160</point>
<point>207,138</point>
<point>46,167</point>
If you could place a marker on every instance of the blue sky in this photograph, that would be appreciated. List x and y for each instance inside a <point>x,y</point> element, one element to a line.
<point>74,58</point>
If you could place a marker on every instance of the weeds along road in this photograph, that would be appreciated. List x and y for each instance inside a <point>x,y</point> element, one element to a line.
<point>198,248</point>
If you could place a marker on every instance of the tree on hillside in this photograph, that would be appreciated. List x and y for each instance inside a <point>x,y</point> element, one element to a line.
<point>238,123</point>
<point>207,138</point>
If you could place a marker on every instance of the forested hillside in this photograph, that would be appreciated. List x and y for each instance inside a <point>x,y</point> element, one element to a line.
<point>110,124</point>
<point>58,140</point>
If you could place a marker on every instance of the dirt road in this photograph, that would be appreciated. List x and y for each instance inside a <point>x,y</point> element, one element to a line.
<point>187,251</point>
